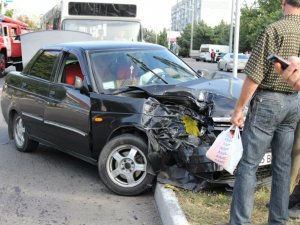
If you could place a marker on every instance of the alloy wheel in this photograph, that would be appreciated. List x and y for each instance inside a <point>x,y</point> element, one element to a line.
<point>126,166</point>
<point>19,132</point>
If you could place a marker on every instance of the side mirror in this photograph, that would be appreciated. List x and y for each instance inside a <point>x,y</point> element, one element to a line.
<point>78,84</point>
<point>203,72</point>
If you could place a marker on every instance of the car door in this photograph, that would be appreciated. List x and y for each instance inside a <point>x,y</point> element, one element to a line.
<point>35,88</point>
<point>67,116</point>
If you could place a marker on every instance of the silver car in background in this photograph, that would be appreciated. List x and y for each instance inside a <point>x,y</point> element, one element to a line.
<point>226,62</point>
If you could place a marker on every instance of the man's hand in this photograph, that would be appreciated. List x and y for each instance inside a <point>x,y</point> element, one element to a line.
<point>237,118</point>
<point>292,73</point>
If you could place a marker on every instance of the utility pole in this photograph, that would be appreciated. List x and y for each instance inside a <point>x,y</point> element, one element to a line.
<point>2,7</point>
<point>236,38</point>
<point>231,26</point>
<point>192,27</point>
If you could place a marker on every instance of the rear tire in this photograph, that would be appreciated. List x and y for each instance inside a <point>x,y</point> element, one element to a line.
<point>123,165</point>
<point>228,70</point>
<point>22,141</point>
<point>2,65</point>
<point>219,68</point>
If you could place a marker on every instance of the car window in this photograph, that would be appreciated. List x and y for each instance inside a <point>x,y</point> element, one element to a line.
<point>240,56</point>
<point>243,57</point>
<point>71,69</point>
<point>44,65</point>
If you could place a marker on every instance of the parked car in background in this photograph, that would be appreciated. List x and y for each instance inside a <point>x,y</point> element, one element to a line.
<point>132,109</point>
<point>226,62</point>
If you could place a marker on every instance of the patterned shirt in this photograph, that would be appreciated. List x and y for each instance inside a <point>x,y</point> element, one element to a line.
<point>281,38</point>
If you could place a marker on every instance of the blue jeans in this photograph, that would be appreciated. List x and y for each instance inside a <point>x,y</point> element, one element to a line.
<point>270,122</point>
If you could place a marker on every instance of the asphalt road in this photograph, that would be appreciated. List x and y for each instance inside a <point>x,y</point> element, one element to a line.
<point>48,187</point>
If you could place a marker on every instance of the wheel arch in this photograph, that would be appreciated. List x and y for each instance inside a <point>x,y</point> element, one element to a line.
<point>129,130</point>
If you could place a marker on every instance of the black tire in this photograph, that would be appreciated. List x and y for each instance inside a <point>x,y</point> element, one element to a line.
<point>219,68</point>
<point>228,70</point>
<point>2,65</point>
<point>21,139</point>
<point>126,164</point>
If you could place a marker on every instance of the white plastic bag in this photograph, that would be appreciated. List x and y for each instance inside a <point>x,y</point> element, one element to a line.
<point>227,149</point>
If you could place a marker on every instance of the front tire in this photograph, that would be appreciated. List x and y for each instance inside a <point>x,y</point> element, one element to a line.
<point>123,165</point>
<point>22,141</point>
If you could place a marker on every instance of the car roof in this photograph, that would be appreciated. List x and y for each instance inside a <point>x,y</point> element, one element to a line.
<point>105,45</point>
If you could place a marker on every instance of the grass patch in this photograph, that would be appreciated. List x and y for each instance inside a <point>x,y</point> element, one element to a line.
<point>213,207</point>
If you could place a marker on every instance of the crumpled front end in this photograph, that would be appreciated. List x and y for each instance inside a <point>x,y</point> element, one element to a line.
<point>180,129</point>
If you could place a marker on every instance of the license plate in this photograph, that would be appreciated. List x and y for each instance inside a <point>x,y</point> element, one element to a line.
<point>267,159</point>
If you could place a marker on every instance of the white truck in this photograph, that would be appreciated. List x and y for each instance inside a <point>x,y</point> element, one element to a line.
<point>206,49</point>
<point>195,54</point>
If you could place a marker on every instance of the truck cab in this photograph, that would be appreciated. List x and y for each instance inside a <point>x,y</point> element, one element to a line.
<point>10,44</point>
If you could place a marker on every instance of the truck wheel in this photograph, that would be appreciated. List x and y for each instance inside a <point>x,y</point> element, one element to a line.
<point>22,141</point>
<point>123,165</point>
<point>2,65</point>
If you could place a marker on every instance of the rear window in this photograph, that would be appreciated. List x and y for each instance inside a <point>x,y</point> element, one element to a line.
<point>240,56</point>
<point>204,50</point>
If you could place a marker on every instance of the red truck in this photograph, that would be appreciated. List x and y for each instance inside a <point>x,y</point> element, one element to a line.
<point>10,44</point>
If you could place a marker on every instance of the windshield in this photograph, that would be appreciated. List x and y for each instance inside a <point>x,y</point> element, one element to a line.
<point>106,30</point>
<point>139,68</point>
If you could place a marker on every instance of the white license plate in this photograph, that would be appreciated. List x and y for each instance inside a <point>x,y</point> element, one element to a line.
<point>267,159</point>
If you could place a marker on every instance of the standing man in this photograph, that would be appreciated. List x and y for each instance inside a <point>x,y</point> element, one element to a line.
<point>292,75</point>
<point>212,56</point>
<point>271,119</point>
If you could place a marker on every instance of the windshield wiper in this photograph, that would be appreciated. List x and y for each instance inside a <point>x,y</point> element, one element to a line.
<point>144,67</point>
<point>170,63</point>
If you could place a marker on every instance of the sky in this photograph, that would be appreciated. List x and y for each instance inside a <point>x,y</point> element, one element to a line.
<point>156,14</point>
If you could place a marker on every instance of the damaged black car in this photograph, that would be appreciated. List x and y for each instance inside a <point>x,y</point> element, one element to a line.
<point>133,109</point>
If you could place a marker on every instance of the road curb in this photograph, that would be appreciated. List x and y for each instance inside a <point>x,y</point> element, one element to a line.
<point>169,209</point>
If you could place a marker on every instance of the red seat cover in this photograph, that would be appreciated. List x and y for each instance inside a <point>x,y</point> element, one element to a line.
<point>72,71</point>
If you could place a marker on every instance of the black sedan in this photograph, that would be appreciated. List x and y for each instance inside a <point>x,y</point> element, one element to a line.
<point>132,109</point>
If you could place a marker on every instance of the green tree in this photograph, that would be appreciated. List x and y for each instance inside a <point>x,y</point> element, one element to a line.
<point>9,13</point>
<point>254,18</point>
<point>221,34</point>
<point>162,38</point>
<point>184,41</point>
<point>150,36</point>
<point>202,33</point>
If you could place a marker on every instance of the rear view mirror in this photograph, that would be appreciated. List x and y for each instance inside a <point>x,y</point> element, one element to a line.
<point>203,72</point>
<point>78,84</point>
